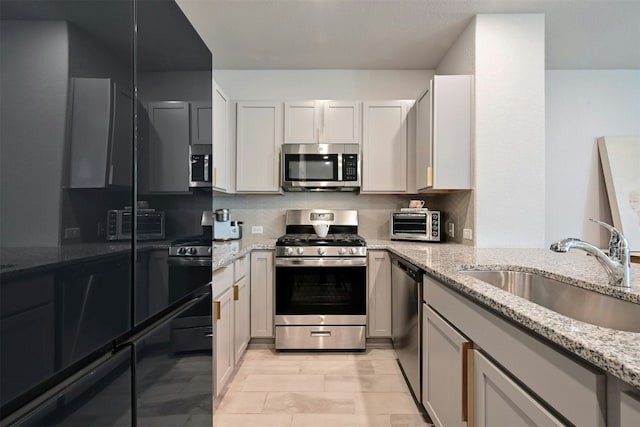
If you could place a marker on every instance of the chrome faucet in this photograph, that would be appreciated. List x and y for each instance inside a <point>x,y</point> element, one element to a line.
<point>617,264</point>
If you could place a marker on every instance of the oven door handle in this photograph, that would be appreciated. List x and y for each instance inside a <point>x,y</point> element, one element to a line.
<point>321,262</point>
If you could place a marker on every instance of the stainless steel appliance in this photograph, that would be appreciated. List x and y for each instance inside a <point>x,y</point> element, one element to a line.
<point>223,228</point>
<point>320,167</point>
<point>189,268</point>
<point>406,320</point>
<point>200,168</point>
<point>321,285</point>
<point>149,224</point>
<point>416,224</point>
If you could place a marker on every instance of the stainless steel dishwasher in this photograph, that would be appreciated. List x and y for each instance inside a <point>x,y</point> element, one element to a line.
<point>406,300</point>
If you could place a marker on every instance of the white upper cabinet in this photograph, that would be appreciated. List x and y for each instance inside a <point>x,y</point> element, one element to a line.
<point>258,139</point>
<point>302,122</point>
<point>311,122</point>
<point>221,141</point>
<point>384,147</point>
<point>342,122</point>
<point>443,134</point>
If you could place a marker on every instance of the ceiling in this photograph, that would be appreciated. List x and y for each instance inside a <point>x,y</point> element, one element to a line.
<point>165,39</point>
<point>403,34</point>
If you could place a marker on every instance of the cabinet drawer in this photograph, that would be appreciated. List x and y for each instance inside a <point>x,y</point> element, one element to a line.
<point>241,268</point>
<point>573,388</point>
<point>222,280</point>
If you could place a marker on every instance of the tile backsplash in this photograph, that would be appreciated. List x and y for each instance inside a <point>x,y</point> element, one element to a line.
<point>374,210</point>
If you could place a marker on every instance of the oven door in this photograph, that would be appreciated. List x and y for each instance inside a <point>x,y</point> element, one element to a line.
<point>320,291</point>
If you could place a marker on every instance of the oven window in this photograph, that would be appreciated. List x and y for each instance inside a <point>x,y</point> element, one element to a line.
<point>311,167</point>
<point>320,290</point>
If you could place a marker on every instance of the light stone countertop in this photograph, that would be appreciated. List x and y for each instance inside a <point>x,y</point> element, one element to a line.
<point>613,351</point>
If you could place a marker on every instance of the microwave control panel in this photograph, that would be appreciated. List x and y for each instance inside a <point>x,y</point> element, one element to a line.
<point>349,167</point>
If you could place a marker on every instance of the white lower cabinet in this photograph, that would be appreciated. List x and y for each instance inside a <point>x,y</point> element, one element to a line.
<point>444,373</point>
<point>500,402</point>
<point>262,273</point>
<point>223,319</point>
<point>231,318</point>
<point>516,378</point>
<point>379,289</point>
<point>242,306</point>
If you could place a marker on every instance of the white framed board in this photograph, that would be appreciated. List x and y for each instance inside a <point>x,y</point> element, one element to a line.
<point>620,158</point>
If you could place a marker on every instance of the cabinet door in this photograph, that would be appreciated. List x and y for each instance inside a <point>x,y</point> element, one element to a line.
<point>169,147</point>
<point>262,294</point>
<point>223,319</point>
<point>242,307</point>
<point>443,134</point>
<point>384,147</point>
<point>201,123</point>
<point>424,163</point>
<point>379,300</point>
<point>27,334</point>
<point>341,122</point>
<point>500,402</point>
<point>302,122</point>
<point>444,373</point>
<point>221,141</point>
<point>259,137</point>
<point>101,134</point>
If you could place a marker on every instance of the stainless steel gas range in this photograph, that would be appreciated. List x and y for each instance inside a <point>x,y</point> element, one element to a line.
<point>320,286</point>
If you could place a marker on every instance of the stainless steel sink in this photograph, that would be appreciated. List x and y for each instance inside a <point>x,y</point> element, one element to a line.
<point>571,301</point>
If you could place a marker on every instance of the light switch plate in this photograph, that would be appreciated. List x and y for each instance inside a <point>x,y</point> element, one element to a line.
<point>256,229</point>
<point>451,231</point>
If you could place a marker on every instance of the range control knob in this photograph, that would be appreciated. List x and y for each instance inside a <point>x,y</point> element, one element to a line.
<point>353,251</point>
<point>322,251</point>
<point>342,251</point>
<point>288,251</point>
<point>300,251</point>
<point>182,251</point>
<point>193,251</point>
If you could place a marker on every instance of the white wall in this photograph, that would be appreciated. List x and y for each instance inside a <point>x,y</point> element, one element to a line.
<point>362,85</point>
<point>582,105</point>
<point>509,151</point>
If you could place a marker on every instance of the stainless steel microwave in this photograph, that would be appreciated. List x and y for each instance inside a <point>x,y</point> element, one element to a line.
<point>321,167</point>
<point>150,224</point>
<point>416,224</point>
<point>200,167</point>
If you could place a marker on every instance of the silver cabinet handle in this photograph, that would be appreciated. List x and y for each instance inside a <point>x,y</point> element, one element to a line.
<point>320,333</point>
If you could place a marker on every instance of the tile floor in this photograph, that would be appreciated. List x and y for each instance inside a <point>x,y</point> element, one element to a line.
<point>309,389</point>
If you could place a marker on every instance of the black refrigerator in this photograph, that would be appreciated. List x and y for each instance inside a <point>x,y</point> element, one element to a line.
<point>86,322</point>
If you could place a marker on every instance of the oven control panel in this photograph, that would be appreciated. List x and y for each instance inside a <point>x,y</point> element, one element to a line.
<point>321,251</point>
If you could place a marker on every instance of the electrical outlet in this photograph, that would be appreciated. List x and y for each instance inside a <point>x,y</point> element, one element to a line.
<point>451,231</point>
<point>71,233</point>
<point>256,229</point>
<point>467,233</point>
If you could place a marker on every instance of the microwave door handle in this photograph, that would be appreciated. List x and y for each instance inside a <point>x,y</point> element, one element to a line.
<point>206,168</point>
<point>339,167</point>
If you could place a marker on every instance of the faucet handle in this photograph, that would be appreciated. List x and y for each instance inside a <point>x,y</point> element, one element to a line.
<point>616,241</point>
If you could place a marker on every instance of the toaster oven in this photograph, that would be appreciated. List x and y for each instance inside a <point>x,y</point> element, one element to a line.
<point>416,224</point>
<point>150,224</point>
